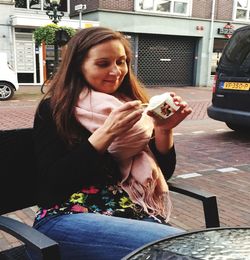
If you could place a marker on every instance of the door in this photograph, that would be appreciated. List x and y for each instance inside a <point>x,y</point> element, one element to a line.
<point>166,60</point>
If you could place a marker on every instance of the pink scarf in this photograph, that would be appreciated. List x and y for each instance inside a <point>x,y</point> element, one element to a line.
<point>141,178</point>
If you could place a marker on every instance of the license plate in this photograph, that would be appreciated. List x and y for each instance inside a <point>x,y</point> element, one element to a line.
<point>235,85</point>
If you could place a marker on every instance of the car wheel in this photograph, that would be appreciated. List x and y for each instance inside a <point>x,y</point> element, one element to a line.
<point>238,128</point>
<point>6,90</point>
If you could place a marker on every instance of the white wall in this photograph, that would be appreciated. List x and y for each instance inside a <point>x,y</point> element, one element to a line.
<point>6,37</point>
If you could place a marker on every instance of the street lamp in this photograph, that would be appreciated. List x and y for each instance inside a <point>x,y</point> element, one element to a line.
<point>55,16</point>
<point>53,12</point>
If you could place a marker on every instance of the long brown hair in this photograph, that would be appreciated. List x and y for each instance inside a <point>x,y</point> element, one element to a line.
<point>68,82</point>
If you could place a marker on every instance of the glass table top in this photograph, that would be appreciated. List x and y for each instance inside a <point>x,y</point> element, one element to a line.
<point>210,244</point>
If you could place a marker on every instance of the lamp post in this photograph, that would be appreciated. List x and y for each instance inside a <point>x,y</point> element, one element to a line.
<point>53,12</point>
<point>55,16</point>
<point>210,44</point>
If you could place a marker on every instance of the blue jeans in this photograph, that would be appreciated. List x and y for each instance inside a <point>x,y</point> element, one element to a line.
<point>98,237</point>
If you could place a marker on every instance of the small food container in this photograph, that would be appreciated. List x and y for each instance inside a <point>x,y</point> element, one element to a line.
<point>162,105</point>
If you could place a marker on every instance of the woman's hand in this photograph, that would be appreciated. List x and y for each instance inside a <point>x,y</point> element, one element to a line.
<point>176,118</point>
<point>117,123</point>
<point>123,118</point>
<point>164,140</point>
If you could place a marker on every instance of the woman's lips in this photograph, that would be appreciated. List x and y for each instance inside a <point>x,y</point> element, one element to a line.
<point>111,81</point>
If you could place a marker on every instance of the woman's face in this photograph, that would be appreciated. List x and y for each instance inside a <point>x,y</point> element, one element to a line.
<point>105,66</point>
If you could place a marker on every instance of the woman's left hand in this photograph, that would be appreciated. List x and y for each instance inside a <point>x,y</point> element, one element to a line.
<point>176,118</point>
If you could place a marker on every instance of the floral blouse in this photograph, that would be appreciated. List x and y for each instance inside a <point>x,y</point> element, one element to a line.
<point>111,201</point>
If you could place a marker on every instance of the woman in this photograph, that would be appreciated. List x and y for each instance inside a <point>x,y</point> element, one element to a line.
<point>102,161</point>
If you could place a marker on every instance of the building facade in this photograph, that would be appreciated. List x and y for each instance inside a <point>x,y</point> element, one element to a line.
<point>175,42</point>
<point>17,22</point>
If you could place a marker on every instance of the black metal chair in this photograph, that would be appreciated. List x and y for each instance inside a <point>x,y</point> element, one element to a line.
<point>18,191</point>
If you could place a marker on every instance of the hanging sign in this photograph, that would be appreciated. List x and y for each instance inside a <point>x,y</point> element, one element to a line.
<point>227,30</point>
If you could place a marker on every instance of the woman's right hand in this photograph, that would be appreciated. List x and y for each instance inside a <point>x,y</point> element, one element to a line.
<point>117,123</point>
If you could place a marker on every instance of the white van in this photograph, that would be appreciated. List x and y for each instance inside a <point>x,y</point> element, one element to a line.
<point>8,79</point>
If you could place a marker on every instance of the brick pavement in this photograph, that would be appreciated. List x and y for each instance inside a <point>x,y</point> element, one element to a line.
<point>203,147</point>
<point>27,98</point>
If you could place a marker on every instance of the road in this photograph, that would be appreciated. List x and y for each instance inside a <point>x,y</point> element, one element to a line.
<point>210,157</point>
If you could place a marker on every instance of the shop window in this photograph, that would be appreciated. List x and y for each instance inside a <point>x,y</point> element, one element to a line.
<point>179,7</point>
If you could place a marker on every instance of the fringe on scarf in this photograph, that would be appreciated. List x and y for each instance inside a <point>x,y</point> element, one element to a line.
<point>152,202</point>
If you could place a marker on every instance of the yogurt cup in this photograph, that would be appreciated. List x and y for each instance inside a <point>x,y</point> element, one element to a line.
<point>162,105</point>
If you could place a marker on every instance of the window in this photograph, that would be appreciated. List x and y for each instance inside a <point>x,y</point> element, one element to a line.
<point>242,9</point>
<point>39,4</point>
<point>21,3</point>
<point>35,4</point>
<point>179,7</point>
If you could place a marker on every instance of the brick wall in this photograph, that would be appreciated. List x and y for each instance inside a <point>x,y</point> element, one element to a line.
<point>200,8</point>
<point>224,10</point>
<point>122,5</point>
<point>203,9</point>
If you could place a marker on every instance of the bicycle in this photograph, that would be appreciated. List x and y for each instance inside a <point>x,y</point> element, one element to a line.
<point>45,84</point>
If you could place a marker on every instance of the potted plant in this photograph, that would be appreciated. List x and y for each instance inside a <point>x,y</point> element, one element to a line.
<point>52,33</point>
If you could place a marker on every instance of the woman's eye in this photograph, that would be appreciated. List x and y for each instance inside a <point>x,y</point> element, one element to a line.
<point>121,62</point>
<point>103,65</point>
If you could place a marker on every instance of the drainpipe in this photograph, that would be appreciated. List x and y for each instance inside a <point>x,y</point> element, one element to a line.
<point>210,44</point>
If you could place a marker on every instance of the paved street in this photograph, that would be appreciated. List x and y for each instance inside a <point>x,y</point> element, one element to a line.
<point>210,157</point>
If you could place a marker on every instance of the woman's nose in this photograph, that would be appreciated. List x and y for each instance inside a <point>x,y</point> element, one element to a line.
<point>115,71</point>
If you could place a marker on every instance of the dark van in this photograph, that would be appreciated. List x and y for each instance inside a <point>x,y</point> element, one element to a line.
<point>231,88</point>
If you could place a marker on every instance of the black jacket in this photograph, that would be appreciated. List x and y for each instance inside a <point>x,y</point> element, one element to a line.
<point>63,170</point>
